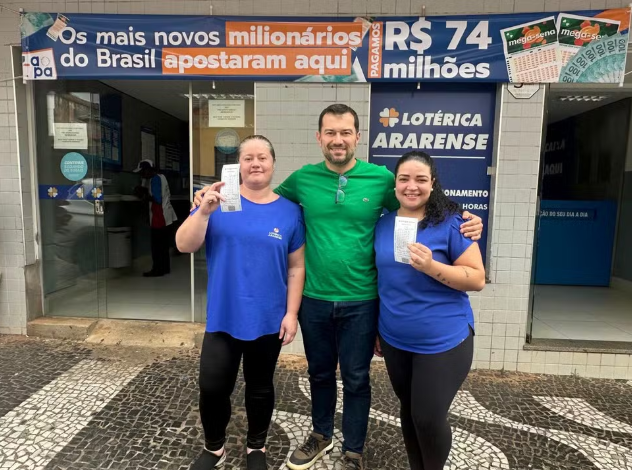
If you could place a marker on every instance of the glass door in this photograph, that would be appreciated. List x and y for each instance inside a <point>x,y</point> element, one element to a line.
<point>108,229</point>
<point>70,192</point>
<point>223,113</point>
<point>534,254</point>
<point>145,126</point>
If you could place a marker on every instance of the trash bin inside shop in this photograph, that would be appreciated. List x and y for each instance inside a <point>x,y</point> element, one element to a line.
<point>119,247</point>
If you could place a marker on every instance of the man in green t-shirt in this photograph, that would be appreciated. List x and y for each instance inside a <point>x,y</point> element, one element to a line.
<point>342,199</point>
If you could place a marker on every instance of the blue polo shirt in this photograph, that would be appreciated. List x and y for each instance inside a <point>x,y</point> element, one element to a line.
<point>247,260</point>
<point>418,313</point>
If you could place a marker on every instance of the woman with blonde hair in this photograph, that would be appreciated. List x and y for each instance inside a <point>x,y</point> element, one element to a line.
<point>256,268</point>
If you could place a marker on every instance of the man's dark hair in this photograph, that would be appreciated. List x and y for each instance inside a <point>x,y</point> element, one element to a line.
<point>339,109</point>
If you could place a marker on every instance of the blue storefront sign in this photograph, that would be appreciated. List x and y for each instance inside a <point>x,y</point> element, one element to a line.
<point>452,123</point>
<point>583,46</point>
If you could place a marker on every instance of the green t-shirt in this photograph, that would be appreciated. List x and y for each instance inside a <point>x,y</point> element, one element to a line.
<point>339,256</point>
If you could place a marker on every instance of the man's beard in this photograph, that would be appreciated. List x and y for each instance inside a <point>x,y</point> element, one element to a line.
<point>330,158</point>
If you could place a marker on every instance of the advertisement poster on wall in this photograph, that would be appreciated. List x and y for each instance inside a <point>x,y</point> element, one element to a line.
<point>579,46</point>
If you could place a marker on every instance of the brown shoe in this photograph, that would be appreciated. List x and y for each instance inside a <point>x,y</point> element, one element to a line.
<point>314,448</point>
<point>351,461</point>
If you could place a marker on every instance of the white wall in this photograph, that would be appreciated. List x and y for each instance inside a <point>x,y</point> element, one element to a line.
<point>287,113</point>
<point>501,308</point>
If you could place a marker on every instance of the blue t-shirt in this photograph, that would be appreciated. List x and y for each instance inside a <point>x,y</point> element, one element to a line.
<point>418,313</point>
<point>247,260</point>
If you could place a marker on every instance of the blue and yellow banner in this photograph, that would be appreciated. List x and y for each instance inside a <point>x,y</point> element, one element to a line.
<point>585,46</point>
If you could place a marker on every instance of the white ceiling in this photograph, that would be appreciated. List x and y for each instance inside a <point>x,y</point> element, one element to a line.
<point>166,95</point>
<point>559,110</point>
<point>170,96</point>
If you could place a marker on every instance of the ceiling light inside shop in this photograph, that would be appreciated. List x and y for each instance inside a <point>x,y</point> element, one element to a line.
<point>220,96</point>
<point>582,98</point>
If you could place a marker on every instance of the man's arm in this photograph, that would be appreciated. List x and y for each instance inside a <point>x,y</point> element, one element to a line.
<point>390,203</point>
<point>287,189</point>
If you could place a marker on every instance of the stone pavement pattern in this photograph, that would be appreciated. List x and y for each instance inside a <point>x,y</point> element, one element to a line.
<point>72,406</point>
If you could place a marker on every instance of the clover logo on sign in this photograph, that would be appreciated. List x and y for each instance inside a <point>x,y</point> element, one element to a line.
<point>389,117</point>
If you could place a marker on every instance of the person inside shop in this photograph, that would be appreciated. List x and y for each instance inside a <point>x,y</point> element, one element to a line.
<point>155,190</point>
<point>426,324</point>
<point>256,272</point>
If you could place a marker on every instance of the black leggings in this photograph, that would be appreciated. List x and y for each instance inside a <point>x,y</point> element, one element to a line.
<point>219,365</point>
<point>426,384</point>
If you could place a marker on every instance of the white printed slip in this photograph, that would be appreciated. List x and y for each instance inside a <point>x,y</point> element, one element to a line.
<point>230,191</point>
<point>576,32</point>
<point>405,234</point>
<point>531,52</point>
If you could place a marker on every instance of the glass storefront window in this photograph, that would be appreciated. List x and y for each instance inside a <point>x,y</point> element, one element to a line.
<point>107,250</point>
<point>223,114</point>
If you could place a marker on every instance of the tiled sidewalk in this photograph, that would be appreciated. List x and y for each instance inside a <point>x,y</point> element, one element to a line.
<point>66,406</point>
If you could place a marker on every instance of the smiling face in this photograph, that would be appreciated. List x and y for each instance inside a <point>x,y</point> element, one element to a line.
<point>256,164</point>
<point>413,185</point>
<point>338,138</point>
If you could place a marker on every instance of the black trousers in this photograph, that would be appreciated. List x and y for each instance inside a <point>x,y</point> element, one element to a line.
<point>426,384</point>
<point>160,243</point>
<point>219,365</point>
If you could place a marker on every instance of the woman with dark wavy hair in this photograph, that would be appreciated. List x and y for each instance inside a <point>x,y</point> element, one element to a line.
<point>426,324</point>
